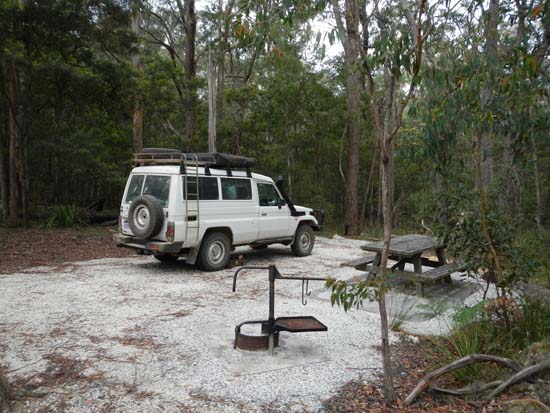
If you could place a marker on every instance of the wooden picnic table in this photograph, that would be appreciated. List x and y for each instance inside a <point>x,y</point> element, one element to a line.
<point>409,249</point>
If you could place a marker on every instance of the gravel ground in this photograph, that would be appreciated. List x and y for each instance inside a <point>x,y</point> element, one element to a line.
<point>133,334</point>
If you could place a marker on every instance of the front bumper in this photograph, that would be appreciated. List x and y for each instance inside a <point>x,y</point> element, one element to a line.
<point>147,247</point>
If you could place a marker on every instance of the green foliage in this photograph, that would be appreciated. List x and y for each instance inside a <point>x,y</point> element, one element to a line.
<point>399,311</point>
<point>354,293</point>
<point>66,216</point>
<point>465,240</point>
<point>503,326</point>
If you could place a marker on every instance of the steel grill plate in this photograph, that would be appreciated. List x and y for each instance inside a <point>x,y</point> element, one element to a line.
<point>299,324</point>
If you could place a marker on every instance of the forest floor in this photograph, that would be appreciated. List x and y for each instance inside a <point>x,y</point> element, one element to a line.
<point>32,247</point>
<point>100,329</point>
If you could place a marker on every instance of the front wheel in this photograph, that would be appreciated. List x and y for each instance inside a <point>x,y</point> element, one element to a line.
<point>304,240</point>
<point>215,252</point>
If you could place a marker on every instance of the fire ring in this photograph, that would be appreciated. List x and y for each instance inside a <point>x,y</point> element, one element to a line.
<point>250,342</point>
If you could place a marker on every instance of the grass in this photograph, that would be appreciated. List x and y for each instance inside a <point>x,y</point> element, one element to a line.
<point>399,311</point>
<point>503,327</point>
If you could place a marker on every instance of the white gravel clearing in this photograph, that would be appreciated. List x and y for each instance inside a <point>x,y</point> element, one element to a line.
<point>136,335</point>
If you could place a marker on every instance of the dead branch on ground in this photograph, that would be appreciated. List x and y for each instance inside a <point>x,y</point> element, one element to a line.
<point>455,365</point>
<point>520,376</point>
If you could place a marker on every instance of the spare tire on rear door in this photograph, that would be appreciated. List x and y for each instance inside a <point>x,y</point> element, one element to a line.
<point>145,216</point>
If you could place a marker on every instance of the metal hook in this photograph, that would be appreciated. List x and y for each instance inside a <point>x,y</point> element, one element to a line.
<point>305,291</point>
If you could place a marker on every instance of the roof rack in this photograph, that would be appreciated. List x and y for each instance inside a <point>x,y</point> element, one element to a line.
<point>162,156</point>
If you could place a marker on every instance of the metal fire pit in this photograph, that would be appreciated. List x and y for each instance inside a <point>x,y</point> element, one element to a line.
<point>258,342</point>
<point>268,338</point>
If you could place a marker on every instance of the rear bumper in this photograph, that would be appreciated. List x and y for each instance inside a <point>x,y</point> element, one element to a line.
<point>147,247</point>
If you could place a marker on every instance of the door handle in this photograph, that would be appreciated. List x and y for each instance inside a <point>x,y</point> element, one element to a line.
<point>264,214</point>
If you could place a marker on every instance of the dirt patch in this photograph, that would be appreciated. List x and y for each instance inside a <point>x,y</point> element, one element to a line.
<point>32,247</point>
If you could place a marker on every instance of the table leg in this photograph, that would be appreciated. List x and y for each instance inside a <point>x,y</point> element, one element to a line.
<point>440,252</point>
<point>419,289</point>
<point>417,262</point>
<point>376,263</point>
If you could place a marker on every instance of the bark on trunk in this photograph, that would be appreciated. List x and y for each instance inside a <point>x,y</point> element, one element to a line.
<point>137,141</point>
<point>3,174</point>
<point>534,161</point>
<point>491,44</point>
<point>211,104</point>
<point>12,151</point>
<point>190,23</point>
<point>389,390</point>
<point>442,217</point>
<point>222,30</point>
<point>353,88</point>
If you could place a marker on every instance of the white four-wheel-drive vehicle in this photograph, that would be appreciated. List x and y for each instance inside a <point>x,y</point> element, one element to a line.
<point>200,206</point>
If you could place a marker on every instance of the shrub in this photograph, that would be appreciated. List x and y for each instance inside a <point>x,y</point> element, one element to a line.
<point>62,216</point>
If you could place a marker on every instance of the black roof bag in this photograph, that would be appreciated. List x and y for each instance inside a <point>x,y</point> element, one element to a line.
<point>223,160</point>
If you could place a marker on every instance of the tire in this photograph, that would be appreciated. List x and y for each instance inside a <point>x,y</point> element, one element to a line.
<point>258,246</point>
<point>304,240</point>
<point>215,252</point>
<point>145,216</point>
<point>166,257</point>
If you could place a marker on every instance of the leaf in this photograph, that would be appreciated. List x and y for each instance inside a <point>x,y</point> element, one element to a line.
<point>331,37</point>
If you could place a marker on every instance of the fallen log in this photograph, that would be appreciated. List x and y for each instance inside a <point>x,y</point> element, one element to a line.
<point>475,388</point>
<point>520,376</point>
<point>455,365</point>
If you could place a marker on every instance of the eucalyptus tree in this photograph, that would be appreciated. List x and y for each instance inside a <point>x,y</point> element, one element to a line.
<point>62,68</point>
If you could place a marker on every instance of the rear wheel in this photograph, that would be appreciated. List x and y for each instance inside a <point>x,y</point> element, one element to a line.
<point>166,257</point>
<point>304,240</point>
<point>215,252</point>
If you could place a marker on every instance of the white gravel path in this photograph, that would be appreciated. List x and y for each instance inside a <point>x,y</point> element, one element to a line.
<point>133,334</point>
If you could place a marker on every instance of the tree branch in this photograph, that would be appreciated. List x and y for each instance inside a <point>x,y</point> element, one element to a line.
<point>455,365</point>
<point>519,376</point>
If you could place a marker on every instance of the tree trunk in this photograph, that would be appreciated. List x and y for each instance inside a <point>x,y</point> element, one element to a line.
<point>353,88</point>
<point>491,45</point>
<point>12,148</point>
<point>3,174</point>
<point>137,141</point>
<point>534,162</point>
<point>222,30</point>
<point>442,217</point>
<point>211,104</point>
<point>368,191</point>
<point>387,184</point>
<point>190,26</point>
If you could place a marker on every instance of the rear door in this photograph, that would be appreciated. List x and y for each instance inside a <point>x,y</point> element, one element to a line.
<point>274,213</point>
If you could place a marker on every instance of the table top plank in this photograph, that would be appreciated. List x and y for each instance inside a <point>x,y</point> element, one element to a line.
<point>405,246</point>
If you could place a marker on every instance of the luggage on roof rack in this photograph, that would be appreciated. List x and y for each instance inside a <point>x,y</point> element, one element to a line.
<point>161,156</point>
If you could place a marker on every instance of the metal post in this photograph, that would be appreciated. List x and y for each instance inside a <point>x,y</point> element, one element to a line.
<point>272,309</point>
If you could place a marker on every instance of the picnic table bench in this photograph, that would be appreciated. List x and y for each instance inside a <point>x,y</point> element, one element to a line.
<point>409,249</point>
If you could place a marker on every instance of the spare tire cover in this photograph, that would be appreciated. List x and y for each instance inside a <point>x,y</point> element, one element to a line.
<point>145,216</point>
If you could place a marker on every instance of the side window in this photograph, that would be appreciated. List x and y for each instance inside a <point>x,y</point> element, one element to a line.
<point>234,188</point>
<point>134,190</point>
<point>159,187</point>
<point>208,188</point>
<point>268,195</point>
